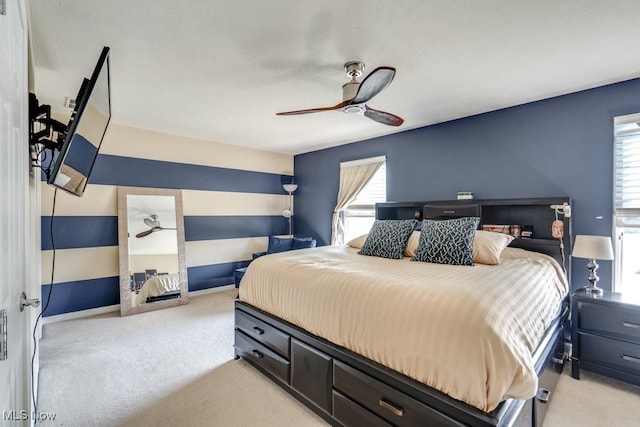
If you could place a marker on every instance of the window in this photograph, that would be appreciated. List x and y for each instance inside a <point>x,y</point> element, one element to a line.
<point>360,214</point>
<point>627,202</point>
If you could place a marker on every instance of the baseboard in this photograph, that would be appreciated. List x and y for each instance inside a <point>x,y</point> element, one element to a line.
<point>211,290</point>
<point>111,308</point>
<point>80,314</point>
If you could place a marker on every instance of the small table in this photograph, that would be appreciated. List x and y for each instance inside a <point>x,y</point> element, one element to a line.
<point>606,335</point>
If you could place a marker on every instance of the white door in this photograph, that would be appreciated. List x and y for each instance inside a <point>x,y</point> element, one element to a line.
<point>17,218</point>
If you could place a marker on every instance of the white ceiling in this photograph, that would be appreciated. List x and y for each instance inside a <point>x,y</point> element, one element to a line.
<point>220,70</point>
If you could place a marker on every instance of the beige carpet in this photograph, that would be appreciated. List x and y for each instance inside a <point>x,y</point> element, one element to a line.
<point>175,367</point>
<point>593,401</point>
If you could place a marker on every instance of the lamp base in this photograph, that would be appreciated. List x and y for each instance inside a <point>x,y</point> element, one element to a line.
<point>593,289</point>
<point>593,278</point>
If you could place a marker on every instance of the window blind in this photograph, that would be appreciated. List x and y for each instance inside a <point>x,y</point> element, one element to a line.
<point>627,166</point>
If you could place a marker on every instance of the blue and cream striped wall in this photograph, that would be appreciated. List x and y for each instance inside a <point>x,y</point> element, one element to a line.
<point>232,200</point>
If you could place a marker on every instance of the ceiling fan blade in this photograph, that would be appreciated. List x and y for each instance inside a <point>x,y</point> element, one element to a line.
<point>144,233</point>
<point>315,110</point>
<point>383,117</point>
<point>373,84</point>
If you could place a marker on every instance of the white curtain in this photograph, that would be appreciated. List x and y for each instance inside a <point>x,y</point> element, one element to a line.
<point>353,177</point>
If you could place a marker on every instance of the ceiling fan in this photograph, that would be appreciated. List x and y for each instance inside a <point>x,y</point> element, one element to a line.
<point>154,225</point>
<point>355,94</point>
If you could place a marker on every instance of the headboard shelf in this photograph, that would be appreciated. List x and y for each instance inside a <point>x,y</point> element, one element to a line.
<point>400,210</point>
<point>535,214</point>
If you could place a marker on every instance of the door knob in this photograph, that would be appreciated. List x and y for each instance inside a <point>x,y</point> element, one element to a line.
<point>33,302</point>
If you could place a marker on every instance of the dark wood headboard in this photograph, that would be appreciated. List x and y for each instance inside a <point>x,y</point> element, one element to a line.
<point>535,213</point>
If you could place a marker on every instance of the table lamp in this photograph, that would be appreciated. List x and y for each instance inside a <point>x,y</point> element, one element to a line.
<point>593,248</point>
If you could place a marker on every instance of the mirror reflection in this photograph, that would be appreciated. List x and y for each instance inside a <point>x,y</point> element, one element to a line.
<point>152,268</point>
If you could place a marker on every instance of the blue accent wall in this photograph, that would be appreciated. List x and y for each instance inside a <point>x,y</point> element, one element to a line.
<point>561,146</point>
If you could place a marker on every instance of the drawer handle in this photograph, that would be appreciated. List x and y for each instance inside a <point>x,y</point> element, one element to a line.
<point>449,212</point>
<point>630,358</point>
<point>258,331</point>
<point>630,325</point>
<point>543,395</point>
<point>392,407</point>
<point>257,354</point>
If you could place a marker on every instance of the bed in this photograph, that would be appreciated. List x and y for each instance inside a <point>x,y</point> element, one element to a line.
<point>158,288</point>
<point>366,340</point>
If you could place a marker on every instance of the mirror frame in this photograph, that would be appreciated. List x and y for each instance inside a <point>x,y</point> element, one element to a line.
<point>123,250</point>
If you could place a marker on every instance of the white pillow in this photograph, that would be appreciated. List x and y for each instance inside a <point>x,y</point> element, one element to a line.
<point>358,242</point>
<point>488,245</point>
<point>412,244</point>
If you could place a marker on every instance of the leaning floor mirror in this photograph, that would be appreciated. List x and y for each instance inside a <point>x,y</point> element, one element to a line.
<point>153,274</point>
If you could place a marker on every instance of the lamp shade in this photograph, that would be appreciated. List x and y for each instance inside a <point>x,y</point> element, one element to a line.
<point>290,188</point>
<point>593,247</point>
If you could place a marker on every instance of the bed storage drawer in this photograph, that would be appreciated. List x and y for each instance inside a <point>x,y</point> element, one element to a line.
<point>254,352</point>
<point>264,333</point>
<point>311,372</point>
<point>387,402</point>
<point>351,414</point>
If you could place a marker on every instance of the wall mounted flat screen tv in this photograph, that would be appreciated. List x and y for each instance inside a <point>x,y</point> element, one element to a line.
<point>85,131</point>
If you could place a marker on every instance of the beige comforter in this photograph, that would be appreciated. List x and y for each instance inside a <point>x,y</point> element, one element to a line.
<point>467,331</point>
<point>158,285</point>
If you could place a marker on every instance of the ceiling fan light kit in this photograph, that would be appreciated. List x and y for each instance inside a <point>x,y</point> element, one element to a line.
<point>152,221</point>
<point>355,94</point>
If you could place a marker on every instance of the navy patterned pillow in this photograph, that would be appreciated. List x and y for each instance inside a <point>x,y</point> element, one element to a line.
<point>388,238</point>
<point>447,242</point>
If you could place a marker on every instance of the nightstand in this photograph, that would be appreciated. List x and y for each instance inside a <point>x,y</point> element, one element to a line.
<point>606,335</point>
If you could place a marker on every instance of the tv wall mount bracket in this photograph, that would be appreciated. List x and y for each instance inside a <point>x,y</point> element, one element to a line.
<point>42,126</point>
